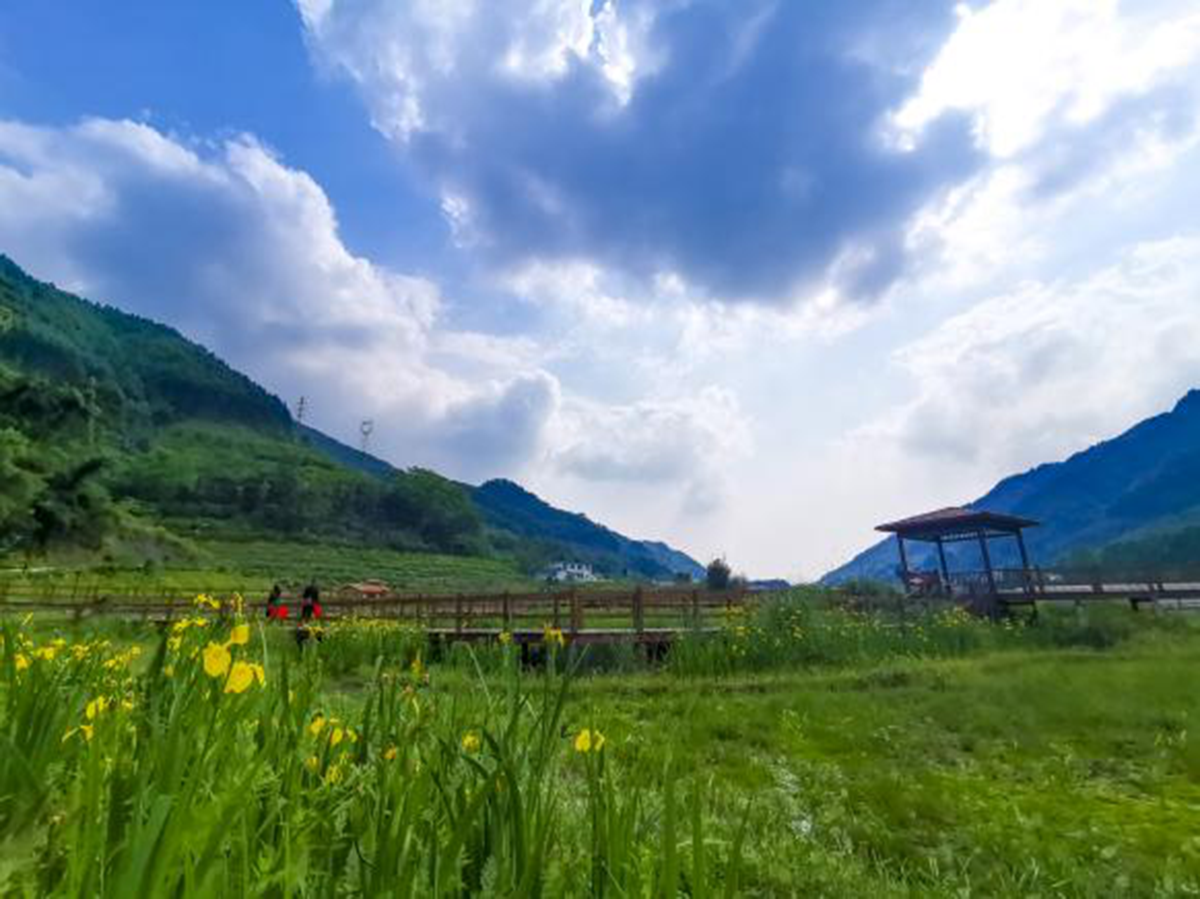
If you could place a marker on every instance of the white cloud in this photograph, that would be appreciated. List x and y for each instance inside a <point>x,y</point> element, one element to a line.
<point>680,446</point>
<point>410,51</point>
<point>1025,67</point>
<point>243,253</point>
<point>1033,375</point>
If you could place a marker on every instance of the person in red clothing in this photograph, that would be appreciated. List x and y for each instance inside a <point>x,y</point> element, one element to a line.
<point>276,610</point>
<point>311,607</point>
<point>310,612</point>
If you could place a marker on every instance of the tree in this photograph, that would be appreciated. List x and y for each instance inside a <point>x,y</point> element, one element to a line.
<point>718,575</point>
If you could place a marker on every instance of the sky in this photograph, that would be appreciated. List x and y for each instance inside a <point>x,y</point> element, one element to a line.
<point>748,276</point>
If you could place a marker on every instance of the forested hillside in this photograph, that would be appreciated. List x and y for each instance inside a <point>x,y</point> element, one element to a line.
<point>112,427</point>
<point>1126,502</point>
<point>118,431</point>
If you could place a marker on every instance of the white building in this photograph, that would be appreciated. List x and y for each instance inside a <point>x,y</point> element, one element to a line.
<point>570,572</point>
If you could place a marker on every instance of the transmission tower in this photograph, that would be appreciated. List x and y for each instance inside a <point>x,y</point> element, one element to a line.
<point>367,428</point>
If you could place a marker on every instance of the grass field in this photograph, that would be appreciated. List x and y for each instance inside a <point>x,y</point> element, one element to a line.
<point>803,751</point>
<point>252,567</point>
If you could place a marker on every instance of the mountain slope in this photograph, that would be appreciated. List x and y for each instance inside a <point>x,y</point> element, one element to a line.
<point>508,506</point>
<point>1145,480</point>
<point>179,438</point>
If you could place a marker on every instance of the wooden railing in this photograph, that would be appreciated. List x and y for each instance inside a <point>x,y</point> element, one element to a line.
<point>638,610</point>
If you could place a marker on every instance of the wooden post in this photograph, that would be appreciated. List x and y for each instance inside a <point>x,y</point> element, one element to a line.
<point>576,612</point>
<point>557,615</point>
<point>639,609</point>
<point>987,564</point>
<point>1025,578</point>
<point>507,611</point>
<point>903,561</point>
<point>696,609</point>
<point>458,614</point>
<point>945,568</point>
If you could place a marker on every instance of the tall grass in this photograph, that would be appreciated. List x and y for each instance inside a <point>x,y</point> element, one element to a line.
<point>219,763</point>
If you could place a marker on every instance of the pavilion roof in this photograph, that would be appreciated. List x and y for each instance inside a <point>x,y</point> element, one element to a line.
<point>956,523</point>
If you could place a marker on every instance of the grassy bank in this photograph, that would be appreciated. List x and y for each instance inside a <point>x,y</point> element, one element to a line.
<point>251,567</point>
<point>840,757</point>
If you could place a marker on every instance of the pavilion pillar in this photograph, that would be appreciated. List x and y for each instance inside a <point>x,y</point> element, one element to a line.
<point>987,563</point>
<point>903,561</point>
<point>945,568</point>
<point>1026,576</point>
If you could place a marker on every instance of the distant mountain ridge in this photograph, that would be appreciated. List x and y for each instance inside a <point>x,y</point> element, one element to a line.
<point>509,507</point>
<point>181,438</point>
<point>1145,481</point>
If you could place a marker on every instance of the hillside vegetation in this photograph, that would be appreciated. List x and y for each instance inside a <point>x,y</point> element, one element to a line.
<point>123,439</point>
<point>113,428</point>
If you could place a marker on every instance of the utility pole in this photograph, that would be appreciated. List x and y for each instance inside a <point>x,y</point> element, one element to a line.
<point>301,409</point>
<point>366,429</point>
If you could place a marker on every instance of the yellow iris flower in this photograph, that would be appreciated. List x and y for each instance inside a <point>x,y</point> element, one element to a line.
<point>216,660</point>
<point>241,676</point>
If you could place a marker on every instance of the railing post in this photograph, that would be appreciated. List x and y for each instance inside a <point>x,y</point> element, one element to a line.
<point>458,614</point>
<point>576,612</point>
<point>696,609</point>
<point>507,609</point>
<point>557,614</point>
<point>639,609</point>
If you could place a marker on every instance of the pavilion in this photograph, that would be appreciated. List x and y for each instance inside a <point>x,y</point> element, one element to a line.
<point>960,525</point>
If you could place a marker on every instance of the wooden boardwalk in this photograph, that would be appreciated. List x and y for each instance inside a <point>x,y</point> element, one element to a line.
<point>637,615</point>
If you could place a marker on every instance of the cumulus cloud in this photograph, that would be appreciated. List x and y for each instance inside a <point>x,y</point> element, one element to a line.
<point>1035,374</point>
<point>241,252</point>
<point>737,146</point>
<point>685,444</point>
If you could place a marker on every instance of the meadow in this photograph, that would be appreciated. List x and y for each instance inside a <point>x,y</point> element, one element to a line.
<point>803,750</point>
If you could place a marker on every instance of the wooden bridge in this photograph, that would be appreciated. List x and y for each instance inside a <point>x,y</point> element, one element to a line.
<point>637,615</point>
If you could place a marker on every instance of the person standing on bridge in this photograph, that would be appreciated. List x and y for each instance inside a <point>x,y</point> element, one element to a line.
<point>276,610</point>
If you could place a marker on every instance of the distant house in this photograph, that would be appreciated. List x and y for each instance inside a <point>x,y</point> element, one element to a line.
<point>768,586</point>
<point>570,573</point>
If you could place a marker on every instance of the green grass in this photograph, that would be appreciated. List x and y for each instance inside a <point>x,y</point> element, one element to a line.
<point>252,567</point>
<point>836,756</point>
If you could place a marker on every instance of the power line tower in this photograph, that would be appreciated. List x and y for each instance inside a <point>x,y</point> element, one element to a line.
<point>367,428</point>
<point>301,410</point>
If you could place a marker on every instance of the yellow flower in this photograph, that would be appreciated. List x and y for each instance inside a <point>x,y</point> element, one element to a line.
<point>389,754</point>
<point>173,643</point>
<point>589,741</point>
<point>21,662</point>
<point>316,726</point>
<point>169,670</point>
<point>88,731</point>
<point>471,742</point>
<point>216,660</point>
<point>96,707</point>
<point>553,635</point>
<point>505,638</point>
<point>46,653</point>
<point>333,775</point>
<point>240,635</point>
<point>313,763</point>
<point>259,674</point>
<point>418,669</point>
<point>241,676</point>
<point>336,736</point>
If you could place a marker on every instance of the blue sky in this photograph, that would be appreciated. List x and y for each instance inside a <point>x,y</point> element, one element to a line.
<point>747,276</point>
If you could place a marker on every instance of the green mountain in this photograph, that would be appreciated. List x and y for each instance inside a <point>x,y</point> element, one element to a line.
<point>116,430</point>
<point>508,507</point>
<point>1127,504</point>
